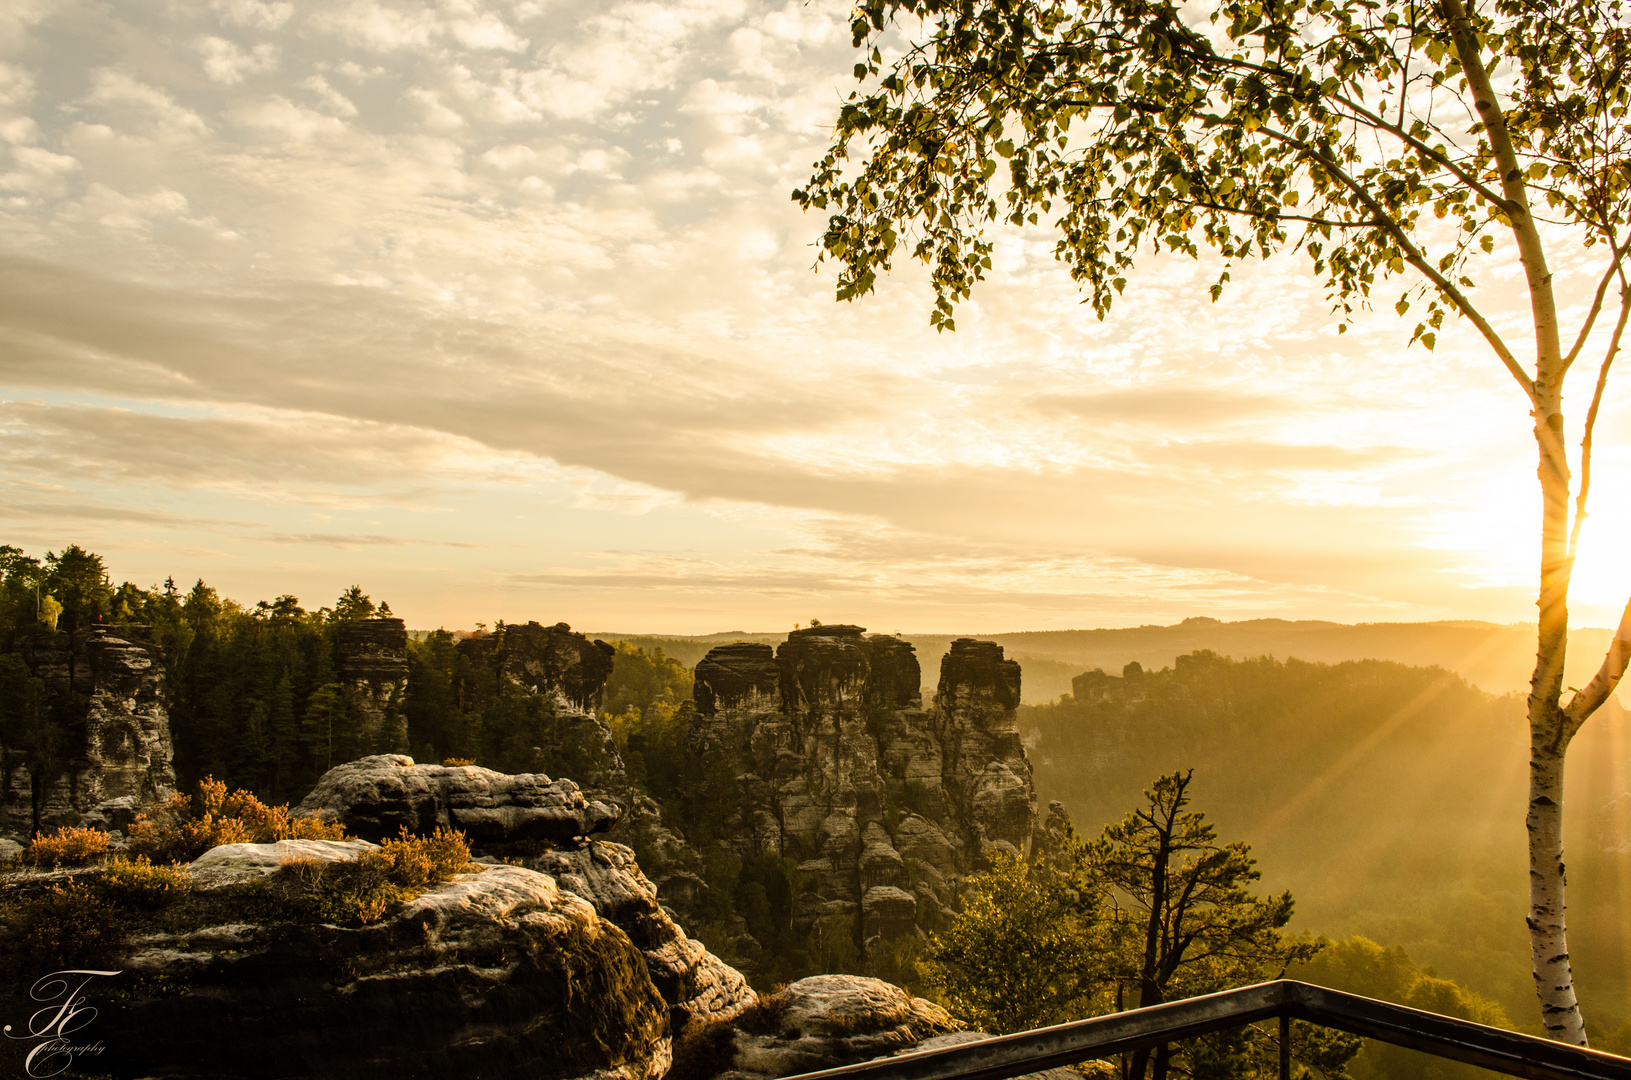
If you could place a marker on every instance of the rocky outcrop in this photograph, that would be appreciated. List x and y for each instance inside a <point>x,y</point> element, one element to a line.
<point>127,728</point>
<point>827,1022</point>
<point>1127,689</point>
<point>742,675</point>
<point>497,974</point>
<point>822,1022</point>
<point>371,660</point>
<point>699,987</point>
<point>884,803</point>
<point>569,672</point>
<point>121,753</point>
<point>377,797</point>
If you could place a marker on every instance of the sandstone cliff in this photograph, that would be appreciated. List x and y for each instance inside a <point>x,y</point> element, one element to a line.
<point>115,749</point>
<point>884,804</point>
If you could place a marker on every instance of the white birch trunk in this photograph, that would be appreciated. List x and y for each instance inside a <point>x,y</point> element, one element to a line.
<point>1549,728</point>
<point>1548,930</point>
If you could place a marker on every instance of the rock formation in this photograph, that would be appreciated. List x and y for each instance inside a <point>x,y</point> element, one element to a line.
<point>569,672</point>
<point>826,1022</point>
<point>699,987</point>
<point>885,804</point>
<point>551,661</point>
<point>508,814</point>
<point>376,797</point>
<point>498,974</point>
<point>821,1022</point>
<point>371,660</point>
<point>122,755</point>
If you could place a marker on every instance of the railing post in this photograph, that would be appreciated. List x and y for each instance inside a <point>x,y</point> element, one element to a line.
<point>1285,1046</point>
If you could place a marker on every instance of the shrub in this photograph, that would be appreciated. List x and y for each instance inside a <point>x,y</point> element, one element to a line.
<point>68,926</point>
<point>456,762</point>
<point>360,891</point>
<point>67,846</point>
<point>355,892</point>
<point>139,884</point>
<point>181,829</point>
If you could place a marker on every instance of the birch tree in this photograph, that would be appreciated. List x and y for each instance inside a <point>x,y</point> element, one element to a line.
<point>1397,144</point>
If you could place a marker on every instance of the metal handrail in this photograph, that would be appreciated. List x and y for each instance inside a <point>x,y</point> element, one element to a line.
<point>1140,1029</point>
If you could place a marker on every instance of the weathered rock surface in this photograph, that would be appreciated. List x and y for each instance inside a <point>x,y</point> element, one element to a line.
<point>121,753</point>
<point>697,985</point>
<point>376,797</point>
<point>496,974</point>
<point>885,804</point>
<point>817,1023</point>
<point>236,864</point>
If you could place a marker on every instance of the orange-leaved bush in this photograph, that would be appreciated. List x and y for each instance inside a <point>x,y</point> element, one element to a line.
<point>181,829</point>
<point>68,846</point>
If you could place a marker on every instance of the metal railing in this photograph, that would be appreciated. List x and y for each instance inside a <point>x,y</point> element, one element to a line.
<point>1141,1029</point>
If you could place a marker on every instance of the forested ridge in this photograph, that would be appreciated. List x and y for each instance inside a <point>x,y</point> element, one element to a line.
<point>254,694</point>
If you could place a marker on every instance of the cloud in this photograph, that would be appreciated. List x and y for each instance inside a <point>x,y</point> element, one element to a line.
<point>1167,405</point>
<point>253,14</point>
<point>281,118</point>
<point>260,452</point>
<point>138,106</point>
<point>229,63</point>
<point>37,171</point>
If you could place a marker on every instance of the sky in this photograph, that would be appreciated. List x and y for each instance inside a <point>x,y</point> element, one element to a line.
<point>504,311</point>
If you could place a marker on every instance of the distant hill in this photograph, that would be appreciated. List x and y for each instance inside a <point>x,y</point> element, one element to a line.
<point>1492,657</point>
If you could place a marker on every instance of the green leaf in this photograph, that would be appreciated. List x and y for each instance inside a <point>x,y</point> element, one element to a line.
<point>1006,148</point>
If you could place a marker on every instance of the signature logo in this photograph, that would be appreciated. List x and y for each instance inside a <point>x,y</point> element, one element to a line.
<point>64,1015</point>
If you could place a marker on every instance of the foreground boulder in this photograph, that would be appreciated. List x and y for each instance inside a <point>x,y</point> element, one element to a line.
<point>826,1022</point>
<point>493,974</point>
<point>376,797</point>
<point>821,1022</point>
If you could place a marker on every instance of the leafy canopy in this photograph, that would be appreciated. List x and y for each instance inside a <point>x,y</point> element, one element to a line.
<point>1032,945</point>
<point>1344,128</point>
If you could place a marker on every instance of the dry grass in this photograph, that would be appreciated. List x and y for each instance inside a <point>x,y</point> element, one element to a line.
<point>181,829</point>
